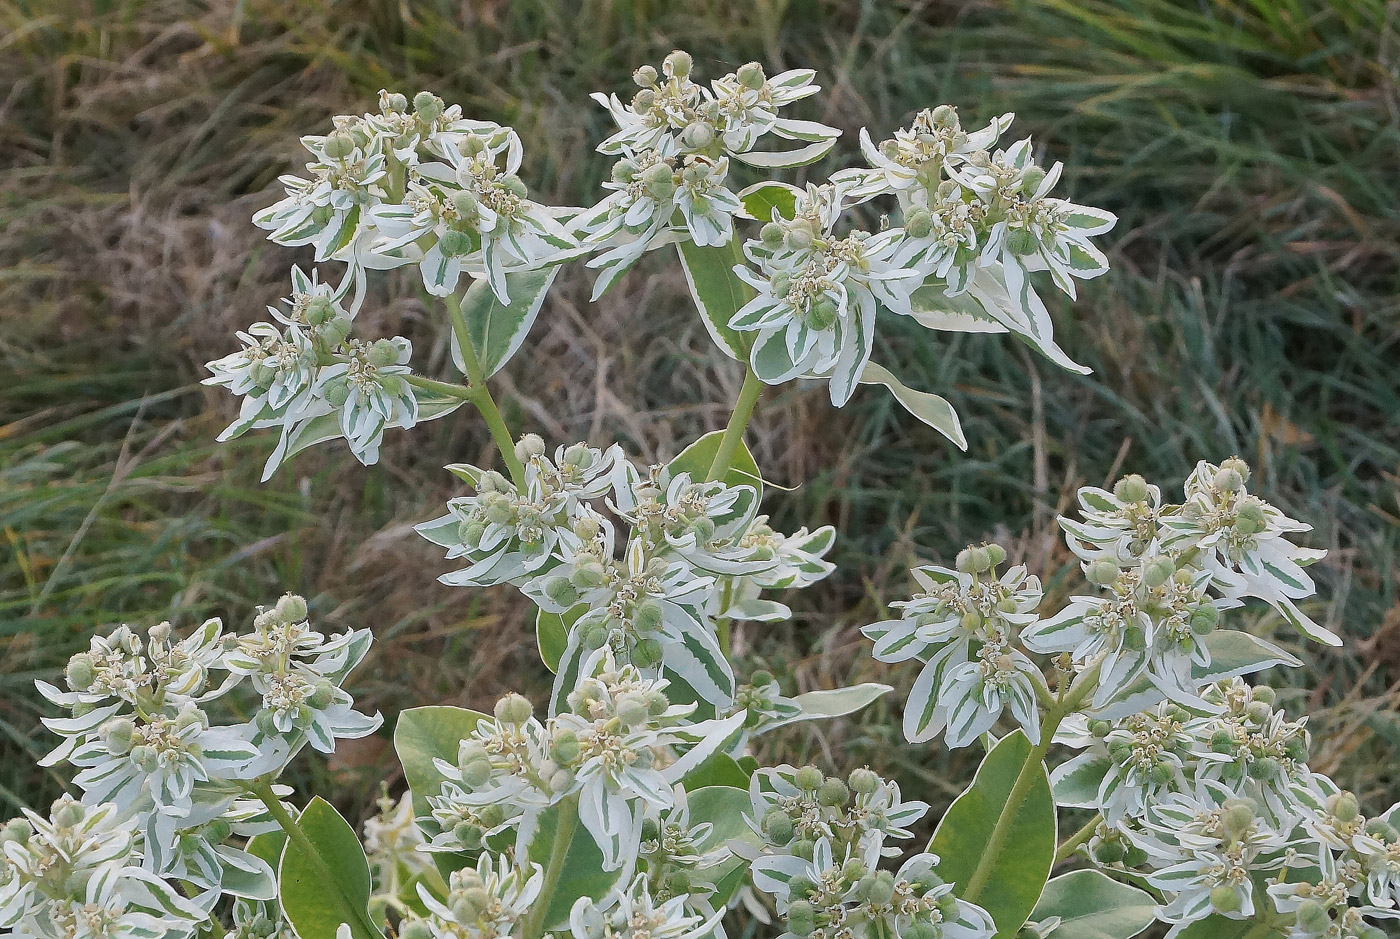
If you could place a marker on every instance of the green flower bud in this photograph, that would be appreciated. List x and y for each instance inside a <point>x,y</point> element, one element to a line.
<point>1158,571</point>
<point>1236,817</point>
<point>415,929</point>
<point>771,235</point>
<point>465,204</point>
<point>514,185</point>
<point>659,181</point>
<point>1367,931</point>
<point>1031,179</point>
<point>383,353</point>
<point>595,636</point>
<point>1222,741</point>
<point>1250,520</point>
<point>996,553</point>
<point>1102,572</point>
<point>804,848</point>
<point>645,76</point>
<point>588,573</point>
<point>777,826</point>
<point>863,781</point>
<point>808,778</point>
<point>1237,465</point>
<point>80,672</point>
<point>1264,768</point>
<point>761,677</point>
<point>632,710</point>
<point>1312,916</point>
<point>918,223</point>
<point>802,920</point>
<point>800,234</point>
<point>67,813</point>
<point>647,616</point>
<point>751,76</point>
<point>678,64</point>
<point>1100,728</point>
<point>1224,899</point>
<point>647,652</point>
<point>1022,241</point>
<point>476,773</point>
<point>823,313</point>
<point>428,106</point>
<point>319,310</point>
<point>395,102</point>
<point>1109,852</point>
<point>1131,488</point>
<point>1382,830</point>
<point>566,747</point>
<point>833,792</point>
<point>1227,480</point>
<point>338,146</point>
<point>528,447</point>
<point>780,285</point>
<point>561,591</point>
<point>321,695</point>
<point>1162,774</point>
<point>1204,619</point>
<point>15,830</point>
<point>514,709</point>
<point>698,136</point>
<point>643,101</point>
<point>945,115</point>
<point>455,244</point>
<point>973,560</point>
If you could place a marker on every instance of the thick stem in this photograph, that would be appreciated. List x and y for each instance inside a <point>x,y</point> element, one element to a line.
<point>441,387</point>
<point>356,918</point>
<point>480,395</point>
<point>1068,700</point>
<point>734,430</point>
<point>567,824</point>
<point>1067,848</point>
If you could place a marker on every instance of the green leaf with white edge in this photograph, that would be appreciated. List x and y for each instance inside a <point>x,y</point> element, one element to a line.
<point>787,159</point>
<point>834,702</point>
<point>696,459</point>
<point>268,846</point>
<point>761,199</point>
<point>1080,786</point>
<point>552,633</point>
<point>466,473</point>
<point>934,309</point>
<point>1238,653</point>
<point>308,902</point>
<point>497,330</point>
<point>1022,864</point>
<point>1222,927</point>
<point>424,734</point>
<point>720,769</point>
<point>431,406</point>
<point>724,807</point>
<point>933,410</point>
<point>717,290</point>
<point>582,874</point>
<point>1092,905</point>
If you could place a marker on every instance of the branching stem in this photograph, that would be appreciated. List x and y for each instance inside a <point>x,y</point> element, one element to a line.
<point>734,430</point>
<point>480,395</point>
<point>567,824</point>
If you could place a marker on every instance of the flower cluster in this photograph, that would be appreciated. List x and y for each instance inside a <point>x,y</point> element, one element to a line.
<point>823,839</point>
<point>619,750</point>
<point>978,222</point>
<point>420,184</point>
<point>1222,813</point>
<point>145,743</point>
<point>964,626</point>
<point>306,375</point>
<point>675,140</point>
<point>694,552</point>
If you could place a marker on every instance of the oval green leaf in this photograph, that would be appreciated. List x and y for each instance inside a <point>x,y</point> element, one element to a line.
<point>310,904</point>
<point>1092,905</point>
<point>1022,863</point>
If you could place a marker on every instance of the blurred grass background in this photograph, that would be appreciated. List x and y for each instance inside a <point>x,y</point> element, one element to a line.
<point>1250,148</point>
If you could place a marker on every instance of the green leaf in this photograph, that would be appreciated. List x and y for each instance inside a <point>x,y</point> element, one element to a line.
<point>423,734</point>
<point>1022,865</point>
<point>582,873</point>
<point>497,330</point>
<point>1221,927</point>
<point>268,846</point>
<point>552,634</point>
<point>717,290</point>
<point>934,309</point>
<point>1238,653</point>
<point>933,410</point>
<point>310,904</point>
<point>724,807</point>
<point>834,702</point>
<point>431,406</point>
<point>719,770</point>
<point>761,199</point>
<point>696,459</point>
<point>1092,905</point>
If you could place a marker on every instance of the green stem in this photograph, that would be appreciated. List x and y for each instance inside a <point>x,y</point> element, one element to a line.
<point>1068,700</point>
<point>565,826</point>
<point>441,387</point>
<point>480,395</point>
<point>734,430</point>
<point>1067,848</point>
<point>356,918</point>
<point>1259,930</point>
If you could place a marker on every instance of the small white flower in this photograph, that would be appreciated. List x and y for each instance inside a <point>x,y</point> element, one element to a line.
<point>488,901</point>
<point>631,913</point>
